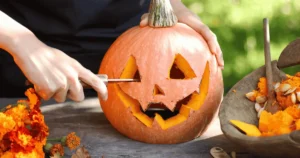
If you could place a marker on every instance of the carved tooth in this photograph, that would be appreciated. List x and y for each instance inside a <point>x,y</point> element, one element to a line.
<point>276,87</point>
<point>290,91</point>
<point>293,98</point>
<point>261,99</point>
<point>257,107</point>
<point>298,96</point>
<point>250,95</point>
<point>284,87</point>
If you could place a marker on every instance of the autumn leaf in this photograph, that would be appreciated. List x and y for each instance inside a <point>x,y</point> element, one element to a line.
<point>81,153</point>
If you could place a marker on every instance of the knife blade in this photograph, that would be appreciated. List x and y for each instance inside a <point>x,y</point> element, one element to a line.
<point>107,80</point>
<point>103,77</point>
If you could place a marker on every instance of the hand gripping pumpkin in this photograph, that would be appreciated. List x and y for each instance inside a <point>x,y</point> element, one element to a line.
<point>180,86</point>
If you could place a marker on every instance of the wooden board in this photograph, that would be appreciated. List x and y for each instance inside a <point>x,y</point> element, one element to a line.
<point>101,139</point>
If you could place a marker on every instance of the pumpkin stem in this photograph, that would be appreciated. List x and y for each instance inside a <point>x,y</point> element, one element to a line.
<point>161,14</point>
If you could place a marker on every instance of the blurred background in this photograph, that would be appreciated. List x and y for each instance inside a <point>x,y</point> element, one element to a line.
<point>238,25</point>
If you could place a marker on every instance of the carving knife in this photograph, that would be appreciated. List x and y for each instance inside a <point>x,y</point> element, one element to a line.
<point>103,77</point>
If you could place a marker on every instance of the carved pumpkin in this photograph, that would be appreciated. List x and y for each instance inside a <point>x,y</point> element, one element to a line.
<point>180,86</point>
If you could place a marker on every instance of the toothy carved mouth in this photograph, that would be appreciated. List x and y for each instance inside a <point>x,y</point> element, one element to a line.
<point>163,117</point>
<point>163,111</point>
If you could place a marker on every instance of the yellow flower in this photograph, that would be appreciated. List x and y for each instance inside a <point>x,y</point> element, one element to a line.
<point>32,154</point>
<point>6,124</point>
<point>19,113</point>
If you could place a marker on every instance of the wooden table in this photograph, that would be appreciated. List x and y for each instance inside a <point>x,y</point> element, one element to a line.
<point>101,139</point>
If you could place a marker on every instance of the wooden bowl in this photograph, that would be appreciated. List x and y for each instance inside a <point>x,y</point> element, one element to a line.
<point>236,106</point>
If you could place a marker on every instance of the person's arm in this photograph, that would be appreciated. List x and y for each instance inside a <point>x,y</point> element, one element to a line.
<point>53,73</point>
<point>10,30</point>
<point>186,16</point>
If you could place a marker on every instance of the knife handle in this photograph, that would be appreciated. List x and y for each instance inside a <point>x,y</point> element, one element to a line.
<point>103,77</point>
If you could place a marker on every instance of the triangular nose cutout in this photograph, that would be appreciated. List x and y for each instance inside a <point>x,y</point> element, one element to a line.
<point>157,90</point>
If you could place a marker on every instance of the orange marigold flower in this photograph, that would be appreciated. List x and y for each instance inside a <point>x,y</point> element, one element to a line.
<point>4,146</point>
<point>7,154</point>
<point>24,102</point>
<point>72,141</point>
<point>33,98</point>
<point>39,129</point>
<point>21,140</point>
<point>57,148</point>
<point>23,131</point>
<point>19,113</point>
<point>39,149</point>
<point>6,124</point>
<point>8,106</point>
<point>32,154</point>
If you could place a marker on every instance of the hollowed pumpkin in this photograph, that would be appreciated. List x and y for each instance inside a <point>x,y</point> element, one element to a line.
<point>180,86</point>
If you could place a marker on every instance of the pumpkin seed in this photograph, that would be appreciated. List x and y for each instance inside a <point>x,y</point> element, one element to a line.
<point>293,98</point>
<point>276,87</point>
<point>298,96</point>
<point>259,112</point>
<point>257,107</point>
<point>261,99</point>
<point>290,91</point>
<point>285,87</point>
<point>250,95</point>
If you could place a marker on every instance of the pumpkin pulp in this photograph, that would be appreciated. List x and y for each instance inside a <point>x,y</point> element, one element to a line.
<point>195,102</point>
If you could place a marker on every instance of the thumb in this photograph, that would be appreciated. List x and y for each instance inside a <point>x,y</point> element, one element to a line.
<point>95,82</point>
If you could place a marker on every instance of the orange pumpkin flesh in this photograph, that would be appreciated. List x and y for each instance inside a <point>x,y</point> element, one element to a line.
<point>180,90</point>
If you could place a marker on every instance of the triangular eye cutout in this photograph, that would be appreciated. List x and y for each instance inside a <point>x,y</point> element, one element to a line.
<point>181,69</point>
<point>157,90</point>
<point>131,69</point>
<point>137,75</point>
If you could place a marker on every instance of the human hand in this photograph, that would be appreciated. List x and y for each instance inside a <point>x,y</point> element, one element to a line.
<point>53,73</point>
<point>189,18</point>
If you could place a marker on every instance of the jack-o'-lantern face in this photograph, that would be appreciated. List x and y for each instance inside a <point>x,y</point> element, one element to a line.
<point>168,97</point>
<point>180,84</point>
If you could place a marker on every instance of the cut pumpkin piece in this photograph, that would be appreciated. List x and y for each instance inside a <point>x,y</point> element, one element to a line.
<point>249,129</point>
<point>264,121</point>
<point>298,124</point>
<point>278,123</point>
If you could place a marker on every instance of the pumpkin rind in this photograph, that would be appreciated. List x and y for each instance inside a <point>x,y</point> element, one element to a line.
<point>152,52</point>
